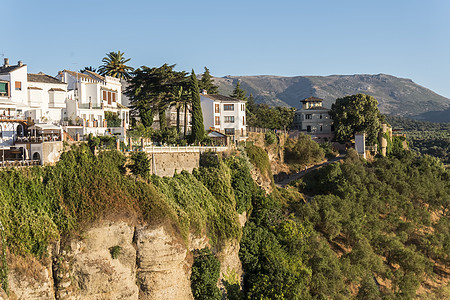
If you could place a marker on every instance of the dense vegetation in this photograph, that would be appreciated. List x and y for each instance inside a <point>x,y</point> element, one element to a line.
<point>363,230</point>
<point>425,137</point>
<point>204,276</point>
<point>302,152</point>
<point>369,231</point>
<point>387,221</point>
<point>40,205</point>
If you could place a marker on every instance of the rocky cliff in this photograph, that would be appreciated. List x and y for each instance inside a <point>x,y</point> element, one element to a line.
<point>115,260</point>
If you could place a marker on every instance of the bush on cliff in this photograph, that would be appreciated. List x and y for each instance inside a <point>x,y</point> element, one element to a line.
<point>204,276</point>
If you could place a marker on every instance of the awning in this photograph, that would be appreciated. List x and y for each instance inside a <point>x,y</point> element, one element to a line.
<point>215,134</point>
<point>45,127</point>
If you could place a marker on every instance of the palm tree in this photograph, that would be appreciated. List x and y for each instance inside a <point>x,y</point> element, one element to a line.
<point>114,64</point>
<point>180,99</point>
<point>90,68</point>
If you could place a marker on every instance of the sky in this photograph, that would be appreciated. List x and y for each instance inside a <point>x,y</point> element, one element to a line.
<point>403,38</point>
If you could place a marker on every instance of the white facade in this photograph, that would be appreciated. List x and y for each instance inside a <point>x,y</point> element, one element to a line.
<point>89,97</point>
<point>14,103</point>
<point>225,115</point>
<point>75,100</point>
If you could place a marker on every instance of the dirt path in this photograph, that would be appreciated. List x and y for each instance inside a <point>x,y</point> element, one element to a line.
<point>299,175</point>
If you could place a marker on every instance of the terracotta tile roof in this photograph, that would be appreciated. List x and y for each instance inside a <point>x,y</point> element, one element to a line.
<point>9,69</point>
<point>79,75</point>
<point>312,99</point>
<point>41,77</point>
<point>57,90</point>
<point>95,75</point>
<point>221,98</point>
<point>34,88</point>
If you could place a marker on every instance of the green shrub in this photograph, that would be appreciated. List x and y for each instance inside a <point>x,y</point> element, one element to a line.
<point>115,251</point>
<point>259,158</point>
<point>242,182</point>
<point>270,137</point>
<point>166,136</point>
<point>140,165</point>
<point>303,151</point>
<point>205,275</point>
<point>112,119</point>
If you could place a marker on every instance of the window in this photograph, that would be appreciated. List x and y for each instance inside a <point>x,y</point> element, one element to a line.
<point>109,97</point>
<point>217,108</point>
<point>320,117</point>
<point>229,119</point>
<point>242,107</point>
<point>217,121</point>
<point>114,97</point>
<point>104,95</point>
<point>321,127</point>
<point>3,88</point>
<point>229,131</point>
<point>228,107</point>
<point>308,128</point>
<point>18,85</point>
<point>308,116</point>
<point>243,120</point>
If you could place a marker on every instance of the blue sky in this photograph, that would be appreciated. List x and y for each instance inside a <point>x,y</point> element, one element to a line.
<point>323,37</point>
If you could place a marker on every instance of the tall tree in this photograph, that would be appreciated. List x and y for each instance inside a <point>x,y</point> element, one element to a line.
<point>206,83</point>
<point>250,111</point>
<point>114,64</point>
<point>238,92</point>
<point>356,113</point>
<point>151,90</point>
<point>181,99</point>
<point>198,129</point>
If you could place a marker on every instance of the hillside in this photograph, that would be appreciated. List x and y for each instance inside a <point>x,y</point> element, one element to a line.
<point>397,96</point>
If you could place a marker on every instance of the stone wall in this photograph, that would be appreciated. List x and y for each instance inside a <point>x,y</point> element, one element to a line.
<point>166,164</point>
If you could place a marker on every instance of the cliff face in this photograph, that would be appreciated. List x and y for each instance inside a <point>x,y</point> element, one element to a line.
<point>116,261</point>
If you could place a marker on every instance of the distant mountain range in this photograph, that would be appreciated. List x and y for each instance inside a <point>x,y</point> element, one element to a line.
<point>396,96</point>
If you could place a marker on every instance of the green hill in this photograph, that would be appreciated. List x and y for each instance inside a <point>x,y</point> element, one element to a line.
<point>397,96</point>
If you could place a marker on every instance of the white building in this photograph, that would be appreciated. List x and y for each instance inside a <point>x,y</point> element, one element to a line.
<point>46,99</point>
<point>89,97</point>
<point>13,89</point>
<point>52,107</point>
<point>313,118</point>
<point>224,114</point>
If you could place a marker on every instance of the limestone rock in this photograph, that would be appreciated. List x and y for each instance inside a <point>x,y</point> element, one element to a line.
<point>163,268</point>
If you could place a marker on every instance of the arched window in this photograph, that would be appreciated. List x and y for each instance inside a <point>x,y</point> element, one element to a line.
<point>19,130</point>
<point>37,156</point>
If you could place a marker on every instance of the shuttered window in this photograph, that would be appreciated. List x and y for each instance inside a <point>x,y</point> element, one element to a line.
<point>114,97</point>
<point>18,85</point>
<point>104,95</point>
<point>3,88</point>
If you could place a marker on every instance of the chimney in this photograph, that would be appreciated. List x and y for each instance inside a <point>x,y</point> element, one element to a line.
<point>6,64</point>
<point>20,63</point>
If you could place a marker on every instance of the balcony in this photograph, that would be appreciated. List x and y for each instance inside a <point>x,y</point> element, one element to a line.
<point>88,106</point>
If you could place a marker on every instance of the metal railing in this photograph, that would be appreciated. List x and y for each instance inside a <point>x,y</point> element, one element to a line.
<point>195,149</point>
<point>19,163</point>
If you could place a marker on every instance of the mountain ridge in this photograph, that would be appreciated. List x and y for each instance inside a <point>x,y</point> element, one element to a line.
<point>396,96</point>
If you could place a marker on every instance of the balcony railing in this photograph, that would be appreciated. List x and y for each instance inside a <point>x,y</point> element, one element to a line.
<point>19,163</point>
<point>87,106</point>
